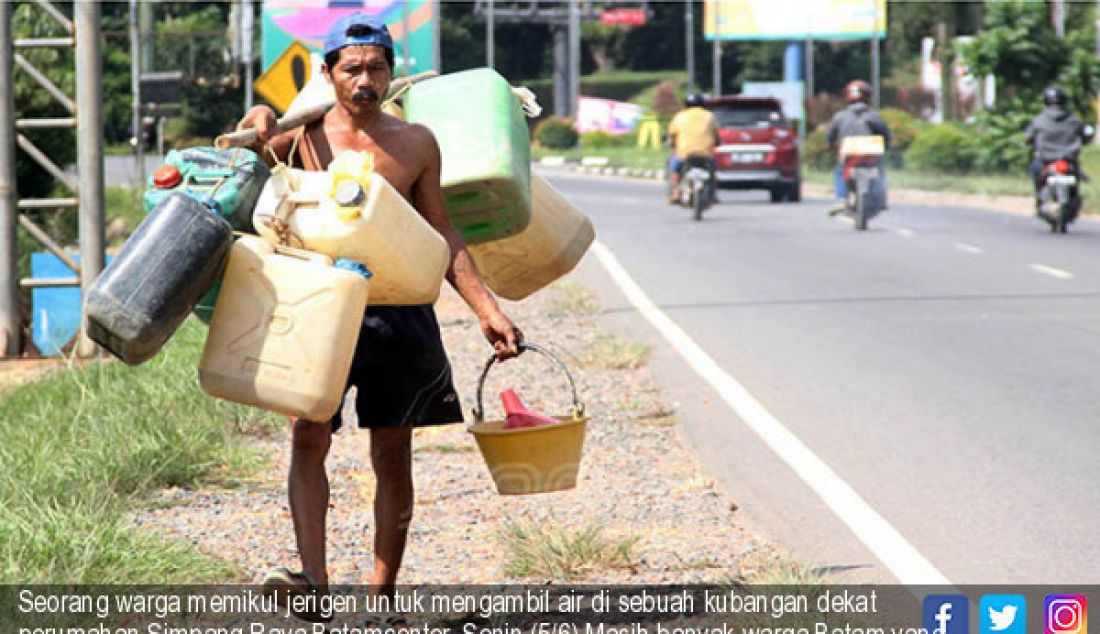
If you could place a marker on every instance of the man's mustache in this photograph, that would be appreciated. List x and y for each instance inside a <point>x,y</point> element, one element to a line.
<point>365,95</point>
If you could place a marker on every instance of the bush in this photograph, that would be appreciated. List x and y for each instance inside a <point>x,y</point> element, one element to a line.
<point>600,139</point>
<point>815,150</point>
<point>1004,147</point>
<point>821,107</point>
<point>944,148</point>
<point>556,132</point>
<point>666,102</point>
<point>903,131</point>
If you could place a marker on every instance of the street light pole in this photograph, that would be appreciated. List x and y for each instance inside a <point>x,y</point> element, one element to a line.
<point>689,33</point>
<point>574,56</point>
<point>489,35</point>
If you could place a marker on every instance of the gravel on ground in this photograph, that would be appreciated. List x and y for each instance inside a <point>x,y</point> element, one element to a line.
<point>638,483</point>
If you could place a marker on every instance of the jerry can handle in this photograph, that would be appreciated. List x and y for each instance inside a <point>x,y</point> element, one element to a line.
<point>302,254</point>
<point>479,410</point>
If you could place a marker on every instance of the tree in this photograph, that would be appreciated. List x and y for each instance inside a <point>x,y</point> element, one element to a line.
<point>604,42</point>
<point>1017,46</point>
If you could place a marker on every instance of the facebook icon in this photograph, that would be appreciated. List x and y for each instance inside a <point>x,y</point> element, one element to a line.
<point>946,614</point>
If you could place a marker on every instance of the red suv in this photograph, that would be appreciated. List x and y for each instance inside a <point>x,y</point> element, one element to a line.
<point>759,148</point>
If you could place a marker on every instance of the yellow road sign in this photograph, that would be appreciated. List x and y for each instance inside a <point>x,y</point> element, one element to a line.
<point>284,78</point>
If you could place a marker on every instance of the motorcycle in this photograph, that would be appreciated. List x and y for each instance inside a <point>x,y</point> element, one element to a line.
<point>863,175</point>
<point>696,190</point>
<point>1059,198</point>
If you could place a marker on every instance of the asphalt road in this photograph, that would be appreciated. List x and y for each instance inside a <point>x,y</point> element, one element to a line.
<point>943,365</point>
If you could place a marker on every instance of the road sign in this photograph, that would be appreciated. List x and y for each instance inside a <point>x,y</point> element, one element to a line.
<point>624,17</point>
<point>286,76</point>
<point>163,87</point>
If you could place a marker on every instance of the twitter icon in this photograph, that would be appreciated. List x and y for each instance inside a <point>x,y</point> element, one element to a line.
<point>1003,614</point>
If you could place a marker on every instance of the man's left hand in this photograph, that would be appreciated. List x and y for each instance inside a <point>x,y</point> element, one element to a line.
<point>504,336</point>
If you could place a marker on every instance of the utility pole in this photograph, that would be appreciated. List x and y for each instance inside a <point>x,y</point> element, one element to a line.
<point>945,36</point>
<point>11,344</point>
<point>689,39</point>
<point>89,135</point>
<point>490,44</point>
<point>809,67</point>
<point>248,25</point>
<point>874,60</point>
<point>135,91</point>
<point>1058,16</point>
<point>716,66</point>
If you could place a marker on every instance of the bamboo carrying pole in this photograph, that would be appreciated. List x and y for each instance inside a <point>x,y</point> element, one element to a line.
<point>246,137</point>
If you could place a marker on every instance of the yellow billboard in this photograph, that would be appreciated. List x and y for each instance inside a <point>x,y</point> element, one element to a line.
<point>794,19</point>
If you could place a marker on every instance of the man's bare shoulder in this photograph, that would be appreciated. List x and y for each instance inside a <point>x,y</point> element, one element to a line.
<point>418,131</point>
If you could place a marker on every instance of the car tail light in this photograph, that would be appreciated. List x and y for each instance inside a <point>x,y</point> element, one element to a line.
<point>1061,167</point>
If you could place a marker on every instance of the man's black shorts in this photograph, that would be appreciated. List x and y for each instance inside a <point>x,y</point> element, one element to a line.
<point>401,370</point>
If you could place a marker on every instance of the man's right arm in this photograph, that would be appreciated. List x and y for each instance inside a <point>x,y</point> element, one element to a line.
<point>263,119</point>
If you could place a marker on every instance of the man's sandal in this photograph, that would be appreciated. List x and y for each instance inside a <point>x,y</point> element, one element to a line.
<point>281,583</point>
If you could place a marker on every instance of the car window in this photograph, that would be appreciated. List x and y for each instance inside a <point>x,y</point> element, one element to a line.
<point>735,116</point>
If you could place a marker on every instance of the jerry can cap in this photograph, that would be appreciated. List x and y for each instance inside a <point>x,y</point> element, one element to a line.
<point>348,193</point>
<point>167,177</point>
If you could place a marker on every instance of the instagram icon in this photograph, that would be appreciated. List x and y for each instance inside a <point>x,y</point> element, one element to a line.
<point>1065,614</point>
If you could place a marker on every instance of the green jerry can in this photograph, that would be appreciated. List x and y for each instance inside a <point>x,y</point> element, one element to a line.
<point>231,180</point>
<point>486,150</point>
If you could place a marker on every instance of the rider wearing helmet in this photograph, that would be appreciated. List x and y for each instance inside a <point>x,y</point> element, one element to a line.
<point>857,119</point>
<point>692,132</point>
<point>1055,133</point>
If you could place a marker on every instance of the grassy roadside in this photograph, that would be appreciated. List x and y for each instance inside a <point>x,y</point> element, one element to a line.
<point>988,184</point>
<point>983,184</point>
<point>82,447</point>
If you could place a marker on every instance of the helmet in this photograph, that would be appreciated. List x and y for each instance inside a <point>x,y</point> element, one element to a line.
<point>1055,95</point>
<point>693,100</point>
<point>857,90</point>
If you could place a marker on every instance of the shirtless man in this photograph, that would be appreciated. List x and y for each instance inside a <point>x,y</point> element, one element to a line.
<point>400,366</point>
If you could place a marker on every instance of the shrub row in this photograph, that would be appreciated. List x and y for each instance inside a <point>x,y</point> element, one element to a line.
<point>945,147</point>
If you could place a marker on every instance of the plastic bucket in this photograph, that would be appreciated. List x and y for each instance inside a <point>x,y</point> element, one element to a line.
<point>531,459</point>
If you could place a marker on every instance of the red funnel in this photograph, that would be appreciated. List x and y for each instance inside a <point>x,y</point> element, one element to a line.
<point>518,416</point>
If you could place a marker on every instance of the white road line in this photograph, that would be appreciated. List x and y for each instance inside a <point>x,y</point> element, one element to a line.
<point>1053,272</point>
<point>969,248</point>
<point>903,232</point>
<point>895,552</point>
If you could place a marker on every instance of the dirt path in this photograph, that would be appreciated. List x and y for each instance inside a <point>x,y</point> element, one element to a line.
<point>638,483</point>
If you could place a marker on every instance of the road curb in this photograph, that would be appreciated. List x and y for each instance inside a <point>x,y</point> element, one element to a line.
<point>597,166</point>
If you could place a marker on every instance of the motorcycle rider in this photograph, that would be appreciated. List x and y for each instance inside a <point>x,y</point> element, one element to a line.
<point>857,119</point>
<point>692,132</point>
<point>1054,134</point>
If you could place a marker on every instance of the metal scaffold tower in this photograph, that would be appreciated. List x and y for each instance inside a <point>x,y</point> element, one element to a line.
<point>86,189</point>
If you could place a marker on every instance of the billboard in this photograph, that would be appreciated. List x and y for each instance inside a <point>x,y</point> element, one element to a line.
<point>307,21</point>
<point>794,19</point>
<point>605,115</point>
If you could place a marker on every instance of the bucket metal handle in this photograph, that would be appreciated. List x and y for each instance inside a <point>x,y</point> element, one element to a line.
<point>479,410</point>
